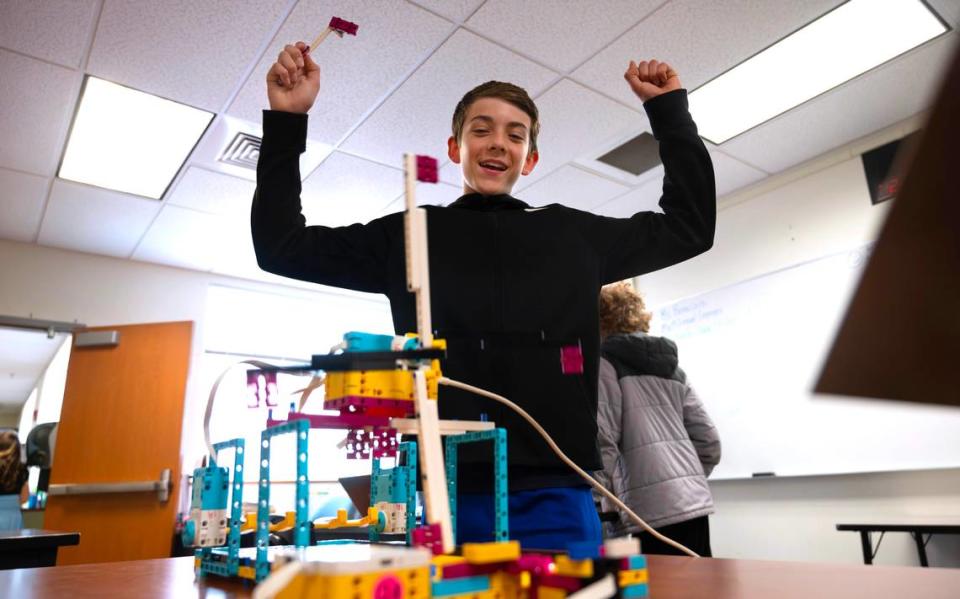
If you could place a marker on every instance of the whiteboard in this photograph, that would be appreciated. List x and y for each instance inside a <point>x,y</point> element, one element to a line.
<point>753,352</point>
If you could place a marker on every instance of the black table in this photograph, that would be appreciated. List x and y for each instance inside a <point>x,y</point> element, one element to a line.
<point>916,530</point>
<point>32,547</point>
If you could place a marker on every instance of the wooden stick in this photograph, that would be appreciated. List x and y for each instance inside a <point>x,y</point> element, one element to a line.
<point>323,35</point>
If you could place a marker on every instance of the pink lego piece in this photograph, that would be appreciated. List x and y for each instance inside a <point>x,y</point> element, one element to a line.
<point>535,563</point>
<point>427,169</point>
<point>464,570</point>
<point>571,359</point>
<point>341,26</point>
<point>262,387</point>
<point>567,583</point>
<point>358,444</point>
<point>385,443</point>
<point>429,536</point>
<point>360,403</point>
<point>388,587</point>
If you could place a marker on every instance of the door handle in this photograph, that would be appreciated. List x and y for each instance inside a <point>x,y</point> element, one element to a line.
<point>161,487</point>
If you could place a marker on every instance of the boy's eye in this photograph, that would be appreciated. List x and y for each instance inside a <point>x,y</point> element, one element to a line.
<point>479,131</point>
<point>516,137</point>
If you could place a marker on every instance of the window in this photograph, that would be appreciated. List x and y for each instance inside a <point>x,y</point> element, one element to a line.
<point>280,329</point>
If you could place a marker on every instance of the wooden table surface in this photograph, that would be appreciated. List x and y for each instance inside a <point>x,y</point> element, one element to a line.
<point>670,578</point>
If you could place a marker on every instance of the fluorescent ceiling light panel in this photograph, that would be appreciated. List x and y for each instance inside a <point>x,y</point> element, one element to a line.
<point>842,44</point>
<point>128,140</point>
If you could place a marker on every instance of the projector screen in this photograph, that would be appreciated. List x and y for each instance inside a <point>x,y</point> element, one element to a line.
<point>753,351</point>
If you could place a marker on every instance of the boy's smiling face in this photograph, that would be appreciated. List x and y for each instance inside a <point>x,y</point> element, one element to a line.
<point>493,150</point>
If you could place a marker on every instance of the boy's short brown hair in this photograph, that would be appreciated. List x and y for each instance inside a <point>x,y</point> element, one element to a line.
<point>622,310</point>
<point>507,92</point>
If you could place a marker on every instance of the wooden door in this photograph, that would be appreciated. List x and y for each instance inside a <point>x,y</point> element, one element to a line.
<point>121,421</point>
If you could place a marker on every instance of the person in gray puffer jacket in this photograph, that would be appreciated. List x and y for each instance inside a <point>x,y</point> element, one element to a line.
<point>657,442</point>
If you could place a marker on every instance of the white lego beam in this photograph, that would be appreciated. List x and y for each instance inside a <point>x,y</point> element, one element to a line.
<point>409,426</point>
<point>432,471</point>
<point>418,265</point>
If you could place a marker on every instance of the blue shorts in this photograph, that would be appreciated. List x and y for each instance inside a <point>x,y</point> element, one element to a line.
<point>549,518</point>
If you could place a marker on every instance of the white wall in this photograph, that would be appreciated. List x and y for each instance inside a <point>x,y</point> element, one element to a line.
<point>812,211</point>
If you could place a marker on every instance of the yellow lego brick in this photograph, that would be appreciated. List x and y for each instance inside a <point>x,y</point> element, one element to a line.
<point>578,568</point>
<point>447,560</point>
<point>247,572</point>
<point>414,584</point>
<point>380,384</point>
<point>504,584</point>
<point>489,553</point>
<point>628,577</point>
<point>550,593</point>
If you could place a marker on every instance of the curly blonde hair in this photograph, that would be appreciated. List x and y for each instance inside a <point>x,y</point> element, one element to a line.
<point>622,310</point>
<point>12,470</point>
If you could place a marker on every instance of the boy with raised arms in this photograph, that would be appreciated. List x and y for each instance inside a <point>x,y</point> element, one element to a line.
<point>510,284</point>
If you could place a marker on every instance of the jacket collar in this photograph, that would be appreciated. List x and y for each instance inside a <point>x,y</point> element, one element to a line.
<point>646,353</point>
<point>485,203</point>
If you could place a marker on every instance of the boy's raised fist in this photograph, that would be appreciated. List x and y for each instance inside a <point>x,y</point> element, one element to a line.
<point>650,79</point>
<point>294,80</point>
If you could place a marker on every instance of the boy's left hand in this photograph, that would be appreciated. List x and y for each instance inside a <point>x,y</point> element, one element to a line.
<point>650,79</point>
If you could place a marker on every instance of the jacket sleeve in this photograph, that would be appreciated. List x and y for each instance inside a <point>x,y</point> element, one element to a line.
<point>609,427</point>
<point>353,257</point>
<point>649,241</point>
<point>706,439</point>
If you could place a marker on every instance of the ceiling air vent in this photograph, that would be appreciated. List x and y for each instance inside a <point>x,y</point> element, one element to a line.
<point>636,156</point>
<point>242,151</point>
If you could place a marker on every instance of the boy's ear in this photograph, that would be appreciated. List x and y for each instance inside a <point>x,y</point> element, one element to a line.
<point>530,162</point>
<point>453,150</point>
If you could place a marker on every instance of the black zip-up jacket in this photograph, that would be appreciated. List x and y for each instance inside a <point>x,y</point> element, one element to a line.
<point>510,284</point>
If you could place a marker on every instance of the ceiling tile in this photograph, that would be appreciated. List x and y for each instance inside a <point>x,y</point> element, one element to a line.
<point>825,122</point>
<point>90,219</point>
<point>190,52</point>
<point>346,190</point>
<point>572,187</point>
<point>237,257</point>
<point>416,118</point>
<point>440,194</point>
<point>577,30</point>
<point>732,174</point>
<point>458,10</point>
<point>451,173</point>
<point>21,204</point>
<point>53,30</point>
<point>567,132</point>
<point>642,199</point>
<point>37,100</point>
<point>699,39</point>
<point>356,72</point>
<point>222,133</point>
<point>211,192</point>
<point>185,238</point>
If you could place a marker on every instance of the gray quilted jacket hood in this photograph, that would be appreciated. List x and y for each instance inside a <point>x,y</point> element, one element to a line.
<point>657,442</point>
